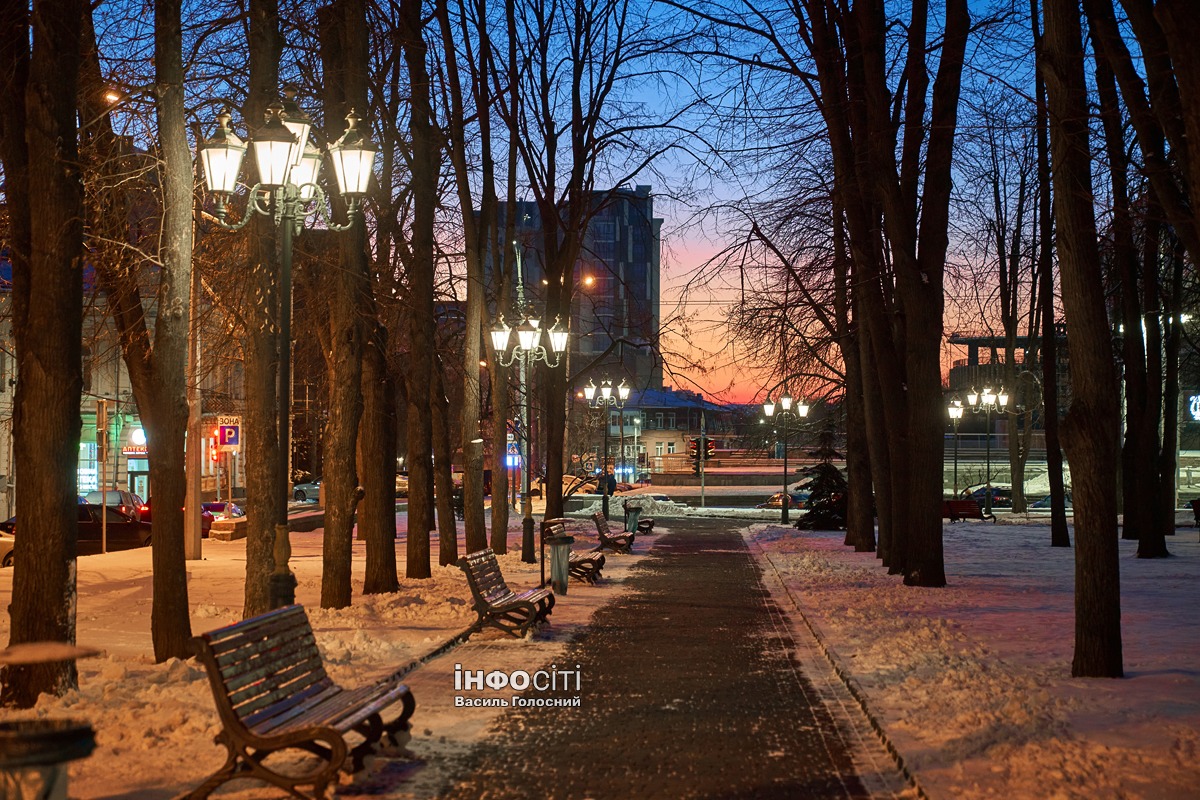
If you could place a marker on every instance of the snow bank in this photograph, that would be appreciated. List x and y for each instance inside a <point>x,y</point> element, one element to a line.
<point>972,681</point>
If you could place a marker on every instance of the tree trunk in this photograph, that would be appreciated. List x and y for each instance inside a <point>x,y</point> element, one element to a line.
<point>158,370</point>
<point>377,455</point>
<point>1059,536</point>
<point>49,299</point>
<point>343,35</point>
<point>1088,430</point>
<point>170,615</point>
<point>260,342</point>
<point>420,276</point>
<point>475,236</point>
<point>443,479</point>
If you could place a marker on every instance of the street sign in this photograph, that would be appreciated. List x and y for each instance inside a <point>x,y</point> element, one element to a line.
<point>513,450</point>
<point>229,434</point>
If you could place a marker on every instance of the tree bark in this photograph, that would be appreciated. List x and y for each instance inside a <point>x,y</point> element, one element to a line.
<point>48,296</point>
<point>343,35</point>
<point>443,480</point>
<point>377,453</point>
<point>420,275</point>
<point>260,341</point>
<point>1091,422</point>
<point>1059,536</point>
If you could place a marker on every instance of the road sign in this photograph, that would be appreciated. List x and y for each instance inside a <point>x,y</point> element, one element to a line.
<point>229,434</point>
<point>513,449</point>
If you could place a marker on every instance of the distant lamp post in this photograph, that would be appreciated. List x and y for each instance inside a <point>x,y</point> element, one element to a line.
<point>955,410</point>
<point>288,170</point>
<point>527,350</point>
<point>606,399</point>
<point>985,403</point>
<point>784,412</point>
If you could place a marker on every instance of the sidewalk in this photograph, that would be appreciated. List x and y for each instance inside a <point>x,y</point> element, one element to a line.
<point>689,686</point>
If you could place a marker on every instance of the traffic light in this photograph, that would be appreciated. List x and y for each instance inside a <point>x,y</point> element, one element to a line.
<point>215,455</point>
<point>710,448</point>
<point>694,455</point>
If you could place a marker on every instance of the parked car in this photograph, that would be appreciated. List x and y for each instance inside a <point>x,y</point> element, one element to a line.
<point>124,501</point>
<point>401,485</point>
<point>1045,501</point>
<point>124,531</point>
<point>1001,495</point>
<point>206,516</point>
<point>6,548</point>
<point>798,500</point>
<point>308,490</point>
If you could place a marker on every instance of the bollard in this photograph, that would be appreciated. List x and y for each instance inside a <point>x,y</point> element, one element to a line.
<point>560,561</point>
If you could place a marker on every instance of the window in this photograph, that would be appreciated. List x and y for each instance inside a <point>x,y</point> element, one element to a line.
<point>671,420</point>
<point>658,448</point>
<point>670,447</point>
<point>658,420</point>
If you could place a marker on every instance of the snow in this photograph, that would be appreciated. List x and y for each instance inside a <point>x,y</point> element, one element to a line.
<point>971,683</point>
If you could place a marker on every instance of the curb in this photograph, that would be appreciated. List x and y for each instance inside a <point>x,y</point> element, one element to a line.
<point>844,676</point>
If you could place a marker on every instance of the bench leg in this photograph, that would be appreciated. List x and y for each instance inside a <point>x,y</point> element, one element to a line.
<point>244,761</point>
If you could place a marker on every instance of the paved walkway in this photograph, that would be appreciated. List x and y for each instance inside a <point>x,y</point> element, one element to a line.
<point>690,688</point>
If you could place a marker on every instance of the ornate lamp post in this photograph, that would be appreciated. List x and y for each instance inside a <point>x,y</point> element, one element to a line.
<point>987,402</point>
<point>527,350</point>
<point>955,409</point>
<point>287,192</point>
<point>605,399</point>
<point>785,412</point>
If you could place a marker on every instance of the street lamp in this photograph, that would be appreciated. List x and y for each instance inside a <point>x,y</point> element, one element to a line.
<point>784,412</point>
<point>287,192</point>
<point>606,399</point>
<point>955,409</point>
<point>987,402</point>
<point>528,350</point>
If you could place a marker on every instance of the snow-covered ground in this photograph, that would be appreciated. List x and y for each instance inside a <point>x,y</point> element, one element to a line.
<point>971,682</point>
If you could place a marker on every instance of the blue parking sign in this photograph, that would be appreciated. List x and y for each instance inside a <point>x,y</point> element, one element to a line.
<point>229,433</point>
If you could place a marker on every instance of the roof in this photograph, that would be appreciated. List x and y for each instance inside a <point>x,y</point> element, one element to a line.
<point>670,398</point>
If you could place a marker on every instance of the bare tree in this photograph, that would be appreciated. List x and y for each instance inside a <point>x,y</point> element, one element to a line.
<point>40,85</point>
<point>425,164</point>
<point>1089,431</point>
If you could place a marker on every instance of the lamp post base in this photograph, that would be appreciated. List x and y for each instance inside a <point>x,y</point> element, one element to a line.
<point>527,554</point>
<point>604,503</point>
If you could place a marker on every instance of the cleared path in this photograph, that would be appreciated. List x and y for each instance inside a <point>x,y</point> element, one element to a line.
<point>689,689</point>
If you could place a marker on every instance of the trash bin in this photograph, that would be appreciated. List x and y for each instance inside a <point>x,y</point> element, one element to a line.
<point>632,512</point>
<point>560,561</point>
<point>34,752</point>
<point>34,755</point>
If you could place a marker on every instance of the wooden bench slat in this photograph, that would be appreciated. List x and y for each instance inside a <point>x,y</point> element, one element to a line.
<point>292,680</point>
<point>222,642</point>
<point>258,662</point>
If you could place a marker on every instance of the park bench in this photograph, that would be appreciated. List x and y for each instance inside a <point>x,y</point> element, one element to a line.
<point>1195,504</point>
<point>272,694</point>
<point>585,566</point>
<point>617,542</point>
<point>959,510</point>
<point>496,604</point>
